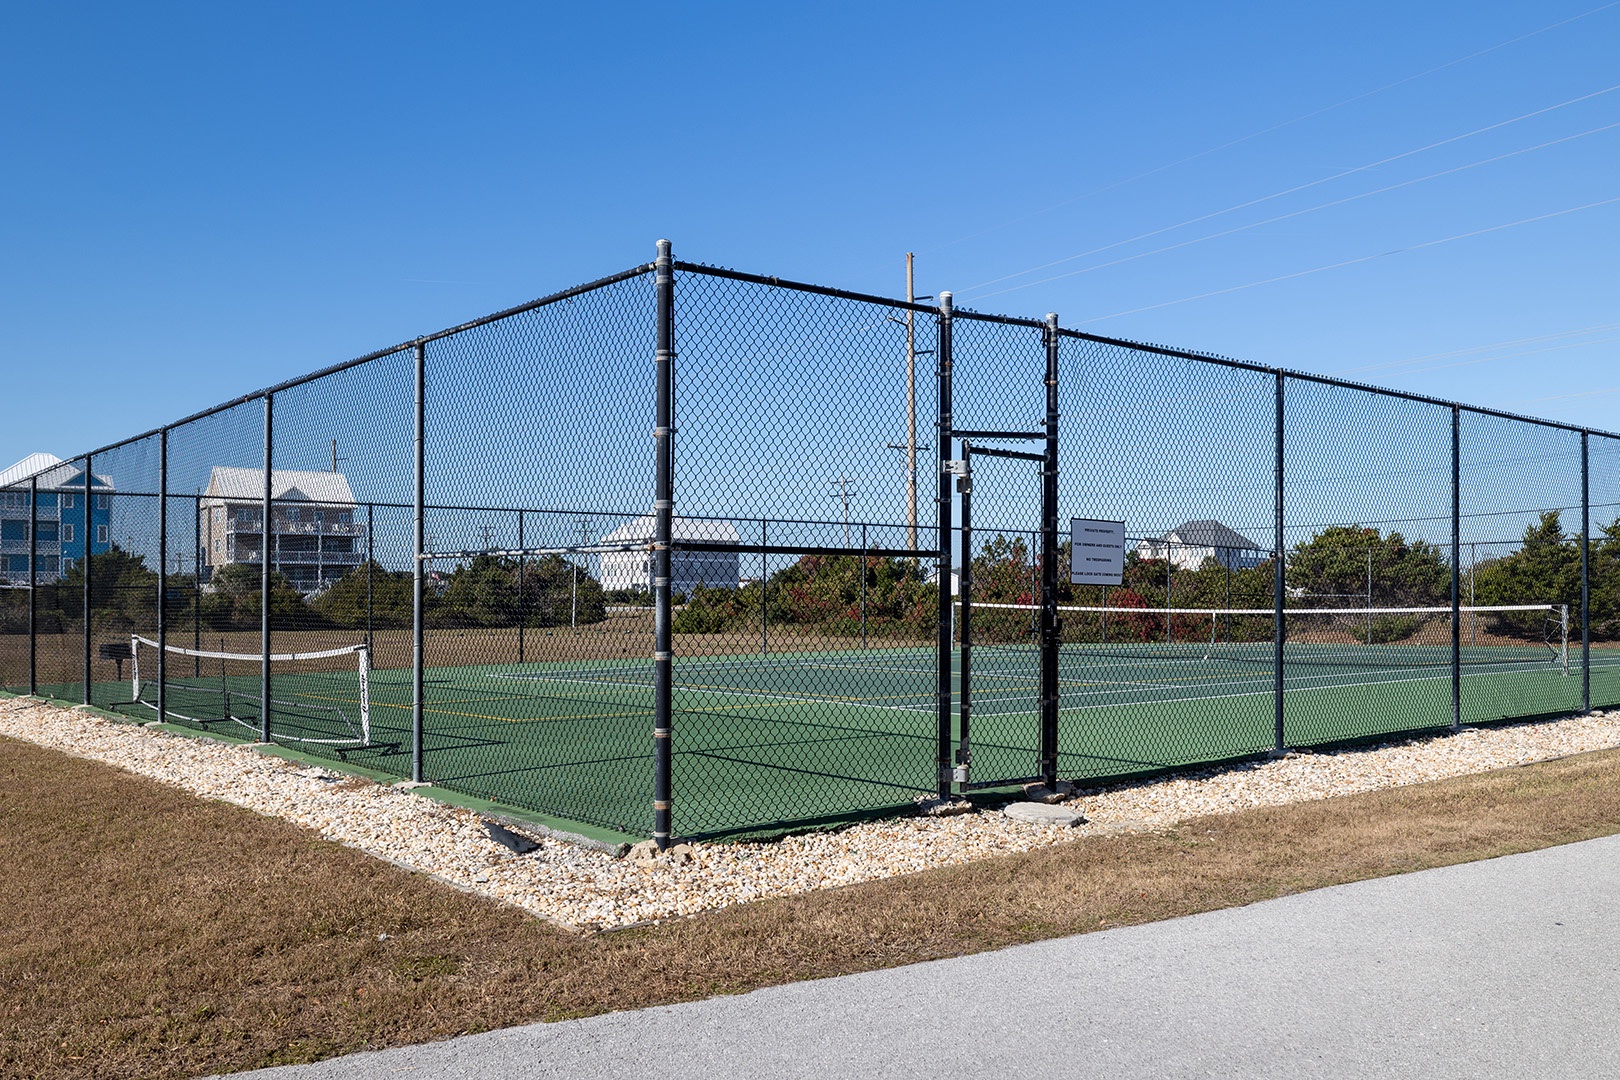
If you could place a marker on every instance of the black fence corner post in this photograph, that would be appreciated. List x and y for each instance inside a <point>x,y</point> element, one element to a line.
<point>266,531</point>
<point>89,536</point>
<point>1279,586</point>
<point>943,512</point>
<point>1050,635</point>
<point>1456,568</point>
<point>163,578</point>
<point>419,564</point>
<point>663,532</point>
<point>1586,571</point>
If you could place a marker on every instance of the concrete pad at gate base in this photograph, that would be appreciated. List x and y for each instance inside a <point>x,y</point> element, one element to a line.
<point>1035,813</point>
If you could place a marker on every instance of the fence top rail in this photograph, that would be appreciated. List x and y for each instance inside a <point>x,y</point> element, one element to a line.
<point>376,354</point>
<point>846,294</point>
<point>1125,343</point>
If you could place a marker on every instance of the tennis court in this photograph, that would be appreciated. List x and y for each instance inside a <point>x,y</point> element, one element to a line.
<point>814,735</point>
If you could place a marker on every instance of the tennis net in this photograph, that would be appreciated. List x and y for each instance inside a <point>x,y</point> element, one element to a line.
<point>1513,635</point>
<point>320,698</point>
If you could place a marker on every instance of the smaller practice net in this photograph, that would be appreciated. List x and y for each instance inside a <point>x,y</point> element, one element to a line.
<point>317,698</point>
<point>1512,637</point>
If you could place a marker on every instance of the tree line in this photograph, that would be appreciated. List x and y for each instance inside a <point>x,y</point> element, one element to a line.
<point>823,592</point>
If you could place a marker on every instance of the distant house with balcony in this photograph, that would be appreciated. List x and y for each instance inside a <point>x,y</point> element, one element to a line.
<point>313,538</point>
<point>58,519</point>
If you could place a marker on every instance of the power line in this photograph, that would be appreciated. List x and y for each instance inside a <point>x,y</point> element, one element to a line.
<point>1292,190</point>
<point>1275,127</point>
<point>1353,262</point>
<point>1601,327</point>
<point>1299,213</point>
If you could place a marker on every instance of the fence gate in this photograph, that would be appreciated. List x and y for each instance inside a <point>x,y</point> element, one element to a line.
<point>1003,632</point>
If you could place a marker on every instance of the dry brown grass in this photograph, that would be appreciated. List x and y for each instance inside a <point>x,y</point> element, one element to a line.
<point>150,933</point>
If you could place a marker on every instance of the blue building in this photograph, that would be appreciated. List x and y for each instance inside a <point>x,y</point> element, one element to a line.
<point>59,517</point>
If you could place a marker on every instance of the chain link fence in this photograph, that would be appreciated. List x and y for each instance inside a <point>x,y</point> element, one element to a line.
<point>692,552</point>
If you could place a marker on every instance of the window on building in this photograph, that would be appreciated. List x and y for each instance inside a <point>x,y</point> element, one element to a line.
<point>67,532</point>
<point>103,502</point>
<point>101,534</point>
<point>244,514</point>
<point>67,501</point>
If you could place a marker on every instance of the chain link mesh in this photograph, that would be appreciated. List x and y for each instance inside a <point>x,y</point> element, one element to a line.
<point>805,560</point>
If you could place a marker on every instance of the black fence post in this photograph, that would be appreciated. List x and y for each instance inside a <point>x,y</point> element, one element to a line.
<point>265,533</point>
<point>663,531</point>
<point>522,612</point>
<point>33,583</point>
<point>1279,585</point>
<point>196,586</point>
<point>1586,580</point>
<point>1456,568</point>
<point>943,511</point>
<point>89,535</point>
<point>764,596</point>
<point>1050,636</point>
<point>371,563</point>
<point>418,561</point>
<point>964,628</point>
<point>163,577</point>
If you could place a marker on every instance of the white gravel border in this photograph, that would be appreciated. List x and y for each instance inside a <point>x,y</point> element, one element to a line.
<point>592,890</point>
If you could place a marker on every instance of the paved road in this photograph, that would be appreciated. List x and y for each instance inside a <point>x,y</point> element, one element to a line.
<point>1506,968</point>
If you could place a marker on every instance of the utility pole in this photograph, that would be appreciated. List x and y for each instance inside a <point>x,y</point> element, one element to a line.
<point>910,446</point>
<point>486,529</point>
<point>335,458</point>
<point>911,408</point>
<point>842,484</point>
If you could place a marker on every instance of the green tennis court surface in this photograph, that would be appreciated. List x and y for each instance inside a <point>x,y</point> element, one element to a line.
<point>808,736</point>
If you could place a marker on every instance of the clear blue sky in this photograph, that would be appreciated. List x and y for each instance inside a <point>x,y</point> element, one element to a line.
<point>204,199</point>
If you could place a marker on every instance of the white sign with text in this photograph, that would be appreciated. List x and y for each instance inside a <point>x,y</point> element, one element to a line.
<point>1096,552</point>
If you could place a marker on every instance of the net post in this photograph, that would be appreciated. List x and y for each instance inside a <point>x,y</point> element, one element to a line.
<point>163,580</point>
<point>1049,642</point>
<point>1456,568</point>
<point>264,568</point>
<point>89,534</point>
<point>1279,584</point>
<point>418,561</point>
<point>1586,582</point>
<point>663,532</point>
<point>33,584</point>
<point>942,505</point>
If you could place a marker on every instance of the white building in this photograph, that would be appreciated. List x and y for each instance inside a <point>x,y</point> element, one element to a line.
<point>687,569</point>
<point>314,539</point>
<point>1190,543</point>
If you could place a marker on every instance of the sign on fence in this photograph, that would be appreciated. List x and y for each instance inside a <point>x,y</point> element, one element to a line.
<point>1096,552</point>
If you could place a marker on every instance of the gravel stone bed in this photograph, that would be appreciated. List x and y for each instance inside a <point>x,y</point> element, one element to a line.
<point>589,890</point>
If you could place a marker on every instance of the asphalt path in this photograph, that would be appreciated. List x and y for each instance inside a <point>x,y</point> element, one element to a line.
<point>1503,968</point>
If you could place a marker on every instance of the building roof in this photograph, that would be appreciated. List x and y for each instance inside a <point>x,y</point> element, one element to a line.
<point>1209,534</point>
<point>641,529</point>
<point>53,473</point>
<point>27,467</point>
<point>229,484</point>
